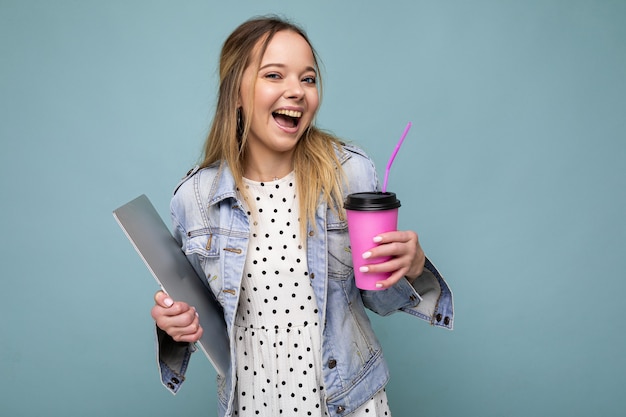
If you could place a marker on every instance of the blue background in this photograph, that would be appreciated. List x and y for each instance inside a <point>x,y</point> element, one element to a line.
<point>513,175</point>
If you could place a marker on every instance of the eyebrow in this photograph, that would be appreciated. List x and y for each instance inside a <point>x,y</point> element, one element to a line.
<point>307,69</point>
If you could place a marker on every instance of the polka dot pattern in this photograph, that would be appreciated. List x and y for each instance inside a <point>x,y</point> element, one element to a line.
<point>277,330</point>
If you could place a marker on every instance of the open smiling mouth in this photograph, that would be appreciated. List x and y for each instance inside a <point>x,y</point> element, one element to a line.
<point>287,118</point>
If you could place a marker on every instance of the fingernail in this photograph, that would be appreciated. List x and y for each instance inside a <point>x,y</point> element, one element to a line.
<point>364,269</point>
<point>168,302</point>
<point>379,285</point>
<point>378,239</point>
<point>366,255</point>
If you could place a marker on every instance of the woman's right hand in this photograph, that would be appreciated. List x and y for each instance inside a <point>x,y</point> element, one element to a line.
<point>176,318</point>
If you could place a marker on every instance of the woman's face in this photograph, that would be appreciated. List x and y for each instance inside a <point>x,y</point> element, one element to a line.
<point>285,96</point>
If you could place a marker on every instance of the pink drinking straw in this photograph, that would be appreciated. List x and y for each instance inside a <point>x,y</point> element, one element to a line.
<point>393,155</point>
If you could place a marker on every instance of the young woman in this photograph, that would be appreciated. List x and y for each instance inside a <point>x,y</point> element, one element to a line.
<point>261,218</point>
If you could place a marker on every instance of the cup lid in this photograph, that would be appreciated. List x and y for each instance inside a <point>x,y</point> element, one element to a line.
<point>371,201</point>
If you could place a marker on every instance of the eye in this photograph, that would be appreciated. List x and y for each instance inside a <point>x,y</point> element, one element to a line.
<point>272,76</point>
<point>309,80</point>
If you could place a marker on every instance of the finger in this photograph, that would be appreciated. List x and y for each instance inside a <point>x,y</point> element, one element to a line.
<point>190,337</point>
<point>189,318</point>
<point>184,327</point>
<point>395,243</point>
<point>393,249</point>
<point>390,265</point>
<point>394,267</point>
<point>176,325</point>
<point>391,281</point>
<point>181,329</point>
<point>395,236</point>
<point>161,298</point>
<point>179,315</point>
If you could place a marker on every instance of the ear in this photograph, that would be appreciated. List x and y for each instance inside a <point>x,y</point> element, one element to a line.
<point>240,100</point>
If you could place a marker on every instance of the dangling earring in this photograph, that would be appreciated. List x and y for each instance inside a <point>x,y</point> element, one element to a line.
<point>240,125</point>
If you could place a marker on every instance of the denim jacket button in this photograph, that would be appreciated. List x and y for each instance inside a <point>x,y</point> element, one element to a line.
<point>332,363</point>
<point>175,380</point>
<point>341,409</point>
<point>446,320</point>
<point>438,317</point>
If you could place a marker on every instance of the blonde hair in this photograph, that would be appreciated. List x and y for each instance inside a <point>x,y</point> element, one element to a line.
<point>317,168</point>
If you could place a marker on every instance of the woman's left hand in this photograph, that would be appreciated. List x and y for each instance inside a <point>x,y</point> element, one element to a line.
<point>407,257</point>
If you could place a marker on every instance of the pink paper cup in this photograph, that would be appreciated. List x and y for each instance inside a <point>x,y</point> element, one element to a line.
<point>368,215</point>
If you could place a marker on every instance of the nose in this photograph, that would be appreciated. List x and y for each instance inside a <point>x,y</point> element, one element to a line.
<point>294,89</point>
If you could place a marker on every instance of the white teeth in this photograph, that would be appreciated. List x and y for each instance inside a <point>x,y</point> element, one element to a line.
<point>290,113</point>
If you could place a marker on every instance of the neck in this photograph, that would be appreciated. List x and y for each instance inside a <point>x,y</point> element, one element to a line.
<point>267,169</point>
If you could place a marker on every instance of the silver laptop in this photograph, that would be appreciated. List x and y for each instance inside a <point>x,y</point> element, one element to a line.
<point>169,265</point>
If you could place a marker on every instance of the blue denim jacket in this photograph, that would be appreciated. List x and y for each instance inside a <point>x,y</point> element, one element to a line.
<point>213,230</point>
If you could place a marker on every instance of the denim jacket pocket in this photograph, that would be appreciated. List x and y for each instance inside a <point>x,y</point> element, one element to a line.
<point>202,250</point>
<point>339,254</point>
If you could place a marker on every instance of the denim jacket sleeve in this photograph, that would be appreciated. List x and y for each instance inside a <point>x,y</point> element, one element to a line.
<point>428,298</point>
<point>173,357</point>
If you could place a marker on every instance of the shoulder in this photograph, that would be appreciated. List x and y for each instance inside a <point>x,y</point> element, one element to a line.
<point>346,151</point>
<point>352,157</point>
<point>190,197</point>
<point>191,189</point>
<point>186,178</point>
<point>196,174</point>
<point>205,186</point>
<point>358,168</point>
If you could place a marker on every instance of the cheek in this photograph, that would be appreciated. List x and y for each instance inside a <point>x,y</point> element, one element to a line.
<point>266,94</point>
<point>313,101</point>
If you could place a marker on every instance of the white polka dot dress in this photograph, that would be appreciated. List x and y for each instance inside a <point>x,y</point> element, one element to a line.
<point>277,329</point>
